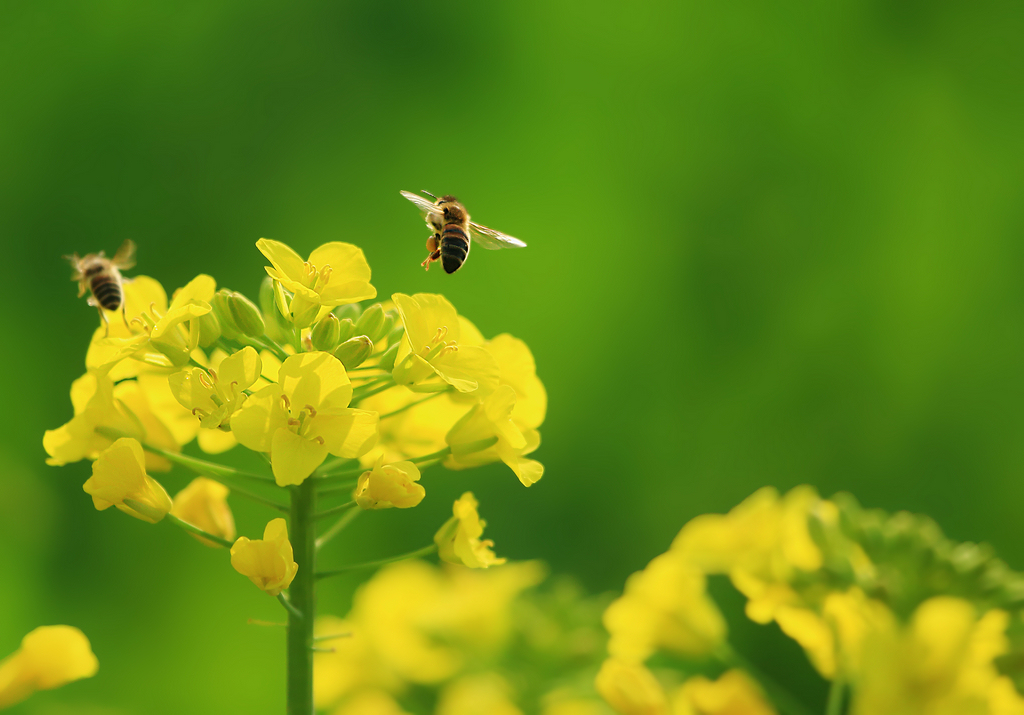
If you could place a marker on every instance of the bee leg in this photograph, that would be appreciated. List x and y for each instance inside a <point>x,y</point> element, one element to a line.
<point>106,323</point>
<point>435,256</point>
<point>433,243</point>
<point>124,316</point>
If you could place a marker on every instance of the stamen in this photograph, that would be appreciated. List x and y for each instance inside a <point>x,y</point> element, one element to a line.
<point>213,374</point>
<point>153,311</point>
<point>311,410</point>
<point>286,401</point>
<point>319,439</point>
<point>293,422</point>
<point>203,380</point>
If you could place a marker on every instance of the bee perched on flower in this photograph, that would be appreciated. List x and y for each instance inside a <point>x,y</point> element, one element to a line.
<point>349,406</point>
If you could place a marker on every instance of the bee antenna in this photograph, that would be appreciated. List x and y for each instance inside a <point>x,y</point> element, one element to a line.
<point>424,191</point>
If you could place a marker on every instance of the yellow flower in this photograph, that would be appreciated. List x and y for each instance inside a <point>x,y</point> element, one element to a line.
<point>159,335</point>
<point>942,663</point>
<point>49,657</point>
<point>119,473</point>
<point>268,562</point>
<point>631,689</point>
<point>664,606</point>
<point>413,431</point>
<point>203,503</point>
<point>335,274</point>
<point>489,425</point>
<point>458,540</point>
<point>124,408</point>
<point>431,349</point>
<point>304,417</point>
<point>477,694</point>
<point>215,395</point>
<point>734,693</point>
<point>370,702</point>
<point>349,666</point>
<point>519,371</point>
<point>393,485</point>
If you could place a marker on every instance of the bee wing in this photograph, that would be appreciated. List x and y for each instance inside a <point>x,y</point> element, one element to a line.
<point>490,239</point>
<point>425,205</point>
<point>125,256</point>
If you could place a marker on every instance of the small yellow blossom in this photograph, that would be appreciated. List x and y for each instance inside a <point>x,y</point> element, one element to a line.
<point>268,562</point>
<point>203,503</point>
<point>458,540</point>
<point>119,473</point>
<point>370,702</point>
<point>392,485</point>
<point>215,395</point>
<point>664,606</point>
<point>477,694</point>
<point>631,689</point>
<point>734,693</point>
<point>431,349</point>
<point>335,274</point>
<point>304,417</point>
<point>49,657</point>
<point>519,371</point>
<point>487,433</point>
<point>413,431</point>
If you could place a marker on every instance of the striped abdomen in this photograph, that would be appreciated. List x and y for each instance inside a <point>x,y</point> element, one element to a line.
<point>454,246</point>
<point>107,290</point>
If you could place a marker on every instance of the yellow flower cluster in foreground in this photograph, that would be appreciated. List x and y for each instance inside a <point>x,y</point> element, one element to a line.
<point>49,657</point>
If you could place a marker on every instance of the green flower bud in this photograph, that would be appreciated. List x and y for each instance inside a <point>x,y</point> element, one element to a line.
<point>352,311</point>
<point>222,310</point>
<point>390,318</point>
<point>303,312</point>
<point>371,323</point>
<point>395,336</point>
<point>245,315</point>
<point>209,329</point>
<point>326,334</point>
<point>387,360</point>
<point>278,328</point>
<point>354,351</point>
<point>347,328</point>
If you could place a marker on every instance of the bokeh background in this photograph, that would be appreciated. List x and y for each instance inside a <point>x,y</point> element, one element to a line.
<point>768,244</point>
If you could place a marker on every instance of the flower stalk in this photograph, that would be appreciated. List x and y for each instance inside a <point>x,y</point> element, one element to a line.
<point>302,599</point>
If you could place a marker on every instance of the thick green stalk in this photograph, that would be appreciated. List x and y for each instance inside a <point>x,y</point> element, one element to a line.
<point>835,698</point>
<point>302,596</point>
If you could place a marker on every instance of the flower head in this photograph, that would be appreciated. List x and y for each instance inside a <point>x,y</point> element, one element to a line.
<point>203,503</point>
<point>304,417</point>
<point>458,540</point>
<point>119,476</point>
<point>215,395</point>
<point>268,562</point>
<point>431,356</point>
<point>488,433</point>
<point>631,689</point>
<point>49,657</point>
<point>335,274</point>
<point>733,693</point>
<point>391,485</point>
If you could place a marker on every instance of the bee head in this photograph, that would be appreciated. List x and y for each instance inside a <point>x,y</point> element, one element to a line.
<point>452,209</point>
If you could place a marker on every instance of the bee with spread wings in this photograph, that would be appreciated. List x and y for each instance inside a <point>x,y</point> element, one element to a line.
<point>451,231</point>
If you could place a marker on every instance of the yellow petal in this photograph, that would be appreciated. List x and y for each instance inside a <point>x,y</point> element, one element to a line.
<point>349,433</point>
<point>294,458</point>
<point>261,416</point>
<point>315,378</point>
<point>284,259</point>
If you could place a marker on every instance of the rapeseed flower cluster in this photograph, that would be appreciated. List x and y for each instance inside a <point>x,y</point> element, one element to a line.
<point>348,405</point>
<point>885,607</point>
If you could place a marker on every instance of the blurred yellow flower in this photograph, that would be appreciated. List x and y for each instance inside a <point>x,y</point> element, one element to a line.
<point>412,431</point>
<point>734,693</point>
<point>203,503</point>
<point>487,433</point>
<point>335,274</point>
<point>391,485</point>
<point>941,663</point>
<point>214,395</point>
<point>119,473</point>
<point>431,348</point>
<point>458,540</point>
<point>370,702</point>
<point>350,665</point>
<point>268,562</point>
<point>664,606</point>
<point>49,657</point>
<point>477,694</point>
<point>304,417</point>
<point>631,689</point>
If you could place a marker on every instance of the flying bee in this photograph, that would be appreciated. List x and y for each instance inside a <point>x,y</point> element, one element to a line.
<point>102,276</point>
<point>451,230</point>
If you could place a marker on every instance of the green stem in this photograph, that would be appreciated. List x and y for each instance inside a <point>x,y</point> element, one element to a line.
<point>370,393</point>
<point>197,531</point>
<point>782,698</point>
<point>373,564</point>
<point>835,698</point>
<point>334,510</point>
<point>292,610</point>
<point>268,343</point>
<point>345,476</point>
<point>410,405</point>
<point>302,596</point>
<point>336,528</point>
<point>439,454</point>
<point>333,464</point>
<point>343,487</point>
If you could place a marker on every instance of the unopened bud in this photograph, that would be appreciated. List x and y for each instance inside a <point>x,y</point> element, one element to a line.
<point>347,328</point>
<point>209,329</point>
<point>245,315</point>
<point>326,334</point>
<point>390,318</point>
<point>387,360</point>
<point>371,322</point>
<point>303,311</point>
<point>354,351</point>
<point>395,336</point>
<point>222,310</point>
<point>352,311</point>
<point>278,328</point>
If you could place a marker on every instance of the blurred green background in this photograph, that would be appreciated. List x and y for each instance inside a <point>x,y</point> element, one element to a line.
<point>768,244</point>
